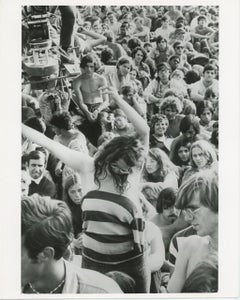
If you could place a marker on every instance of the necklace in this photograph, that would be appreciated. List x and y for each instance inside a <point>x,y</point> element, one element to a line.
<point>51,292</point>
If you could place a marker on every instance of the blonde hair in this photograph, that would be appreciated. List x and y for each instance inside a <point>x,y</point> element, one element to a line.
<point>208,151</point>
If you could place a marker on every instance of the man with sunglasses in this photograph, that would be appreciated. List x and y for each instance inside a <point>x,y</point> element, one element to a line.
<point>179,49</point>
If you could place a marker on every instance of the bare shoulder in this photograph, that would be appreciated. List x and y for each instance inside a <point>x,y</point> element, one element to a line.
<point>100,79</point>
<point>78,80</point>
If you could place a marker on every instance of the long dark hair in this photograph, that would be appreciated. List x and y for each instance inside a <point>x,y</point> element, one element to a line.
<point>118,157</point>
<point>176,159</point>
<point>164,163</point>
<point>74,208</point>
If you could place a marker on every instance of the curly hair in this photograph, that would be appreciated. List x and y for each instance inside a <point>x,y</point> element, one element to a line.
<point>135,50</point>
<point>117,158</point>
<point>157,118</point>
<point>172,102</point>
<point>62,120</point>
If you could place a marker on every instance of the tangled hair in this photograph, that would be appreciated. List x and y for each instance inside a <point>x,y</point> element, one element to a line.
<point>89,58</point>
<point>62,120</point>
<point>117,159</point>
<point>187,122</point>
<point>203,279</point>
<point>123,60</point>
<point>106,55</point>
<point>180,143</point>
<point>45,222</point>
<point>157,118</point>
<point>164,163</point>
<point>166,199</point>
<point>208,151</point>
<point>172,102</point>
<point>202,105</point>
<point>126,283</point>
<point>135,50</point>
<point>206,184</point>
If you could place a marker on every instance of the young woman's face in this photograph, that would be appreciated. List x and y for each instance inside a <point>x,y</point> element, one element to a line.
<point>206,116</point>
<point>199,158</point>
<point>75,193</point>
<point>138,56</point>
<point>151,165</point>
<point>170,113</point>
<point>160,128</point>
<point>124,69</point>
<point>205,221</point>
<point>183,153</point>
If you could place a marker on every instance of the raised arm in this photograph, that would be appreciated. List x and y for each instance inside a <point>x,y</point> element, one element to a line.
<point>133,116</point>
<point>79,161</point>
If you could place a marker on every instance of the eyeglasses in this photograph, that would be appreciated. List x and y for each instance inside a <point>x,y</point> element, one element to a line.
<point>190,212</point>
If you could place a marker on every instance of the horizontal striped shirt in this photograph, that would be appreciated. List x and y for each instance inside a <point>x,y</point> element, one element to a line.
<point>113,228</point>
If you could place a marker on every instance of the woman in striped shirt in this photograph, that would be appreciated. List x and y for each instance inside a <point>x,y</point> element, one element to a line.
<point>113,225</point>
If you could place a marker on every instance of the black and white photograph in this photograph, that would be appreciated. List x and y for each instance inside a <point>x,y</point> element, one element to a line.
<point>120,111</point>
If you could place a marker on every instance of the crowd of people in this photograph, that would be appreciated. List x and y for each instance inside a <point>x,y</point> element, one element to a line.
<point>120,158</point>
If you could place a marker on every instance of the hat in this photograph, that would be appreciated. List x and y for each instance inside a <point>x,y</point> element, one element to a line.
<point>163,65</point>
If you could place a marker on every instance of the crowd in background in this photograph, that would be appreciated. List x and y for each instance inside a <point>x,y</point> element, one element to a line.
<point>120,157</point>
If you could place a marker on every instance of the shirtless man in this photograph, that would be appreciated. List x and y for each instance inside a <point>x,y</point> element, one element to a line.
<point>86,87</point>
<point>89,97</point>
